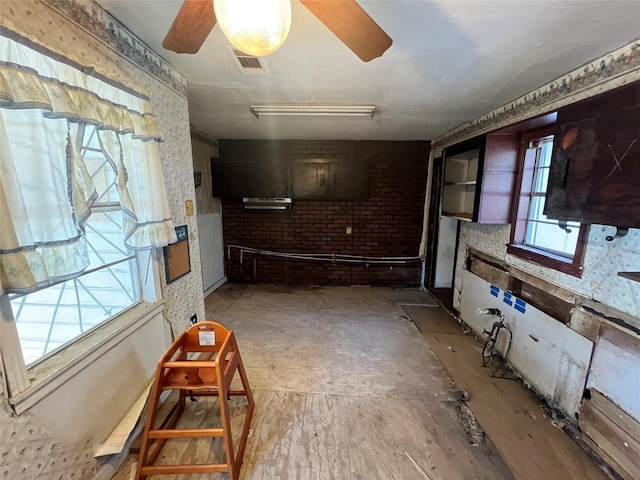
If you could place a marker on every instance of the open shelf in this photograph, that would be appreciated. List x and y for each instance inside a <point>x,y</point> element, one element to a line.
<point>462,167</point>
<point>479,175</point>
<point>460,176</point>
<point>459,199</point>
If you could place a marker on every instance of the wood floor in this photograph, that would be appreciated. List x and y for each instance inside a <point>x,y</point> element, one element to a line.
<point>531,445</point>
<point>346,387</point>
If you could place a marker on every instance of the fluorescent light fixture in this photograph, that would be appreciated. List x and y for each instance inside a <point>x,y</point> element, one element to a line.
<point>300,110</point>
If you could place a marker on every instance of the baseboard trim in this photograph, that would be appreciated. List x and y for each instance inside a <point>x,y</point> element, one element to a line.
<point>215,286</point>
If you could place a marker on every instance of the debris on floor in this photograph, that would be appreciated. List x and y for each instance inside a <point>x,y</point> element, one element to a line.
<point>462,395</point>
<point>473,430</point>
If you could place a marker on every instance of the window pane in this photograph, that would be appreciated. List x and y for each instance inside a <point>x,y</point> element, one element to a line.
<point>550,237</point>
<point>104,238</point>
<point>541,181</point>
<point>536,207</point>
<point>49,318</point>
<point>102,172</point>
<point>54,316</point>
<point>546,147</point>
<point>542,232</point>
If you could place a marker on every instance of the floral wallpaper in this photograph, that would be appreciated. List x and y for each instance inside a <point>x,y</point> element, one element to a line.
<point>183,297</point>
<point>490,239</point>
<point>603,260</point>
<point>27,450</point>
<point>102,25</point>
<point>30,453</point>
<point>605,73</point>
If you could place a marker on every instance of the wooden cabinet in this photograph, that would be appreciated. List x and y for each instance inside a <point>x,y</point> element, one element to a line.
<point>249,178</point>
<point>322,179</point>
<point>479,176</point>
<point>276,169</point>
<point>595,168</point>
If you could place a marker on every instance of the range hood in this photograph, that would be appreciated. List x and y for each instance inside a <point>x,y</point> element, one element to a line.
<point>251,203</point>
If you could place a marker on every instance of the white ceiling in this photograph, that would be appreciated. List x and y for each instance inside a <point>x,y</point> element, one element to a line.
<point>450,61</point>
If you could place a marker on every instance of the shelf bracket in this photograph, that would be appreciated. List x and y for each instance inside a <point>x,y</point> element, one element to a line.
<point>620,232</point>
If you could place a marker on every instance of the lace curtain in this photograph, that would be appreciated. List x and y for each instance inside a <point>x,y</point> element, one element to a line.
<point>46,192</point>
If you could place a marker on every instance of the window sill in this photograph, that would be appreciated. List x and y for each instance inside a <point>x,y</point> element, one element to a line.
<point>545,259</point>
<point>51,373</point>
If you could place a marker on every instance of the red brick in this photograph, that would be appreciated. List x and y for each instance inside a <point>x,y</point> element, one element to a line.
<point>388,223</point>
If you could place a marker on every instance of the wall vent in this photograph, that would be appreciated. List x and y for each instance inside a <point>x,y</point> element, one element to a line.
<point>248,64</point>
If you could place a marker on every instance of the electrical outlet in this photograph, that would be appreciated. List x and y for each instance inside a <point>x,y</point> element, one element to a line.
<point>194,319</point>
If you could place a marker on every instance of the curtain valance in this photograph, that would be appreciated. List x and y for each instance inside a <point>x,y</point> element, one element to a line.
<point>22,88</point>
<point>30,79</point>
<point>46,191</point>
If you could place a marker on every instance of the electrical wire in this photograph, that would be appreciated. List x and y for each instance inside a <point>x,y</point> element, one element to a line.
<point>327,257</point>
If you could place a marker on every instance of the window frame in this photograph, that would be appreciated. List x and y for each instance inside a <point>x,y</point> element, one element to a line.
<point>26,384</point>
<point>86,135</point>
<point>520,212</point>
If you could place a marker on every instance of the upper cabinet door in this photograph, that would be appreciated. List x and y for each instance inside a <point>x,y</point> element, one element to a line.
<point>329,179</point>
<point>478,178</point>
<point>595,169</point>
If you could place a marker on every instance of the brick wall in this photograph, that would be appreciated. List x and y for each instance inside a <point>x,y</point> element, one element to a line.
<point>389,223</point>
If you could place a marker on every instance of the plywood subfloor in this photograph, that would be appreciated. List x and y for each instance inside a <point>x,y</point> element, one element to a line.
<point>346,387</point>
<point>524,435</point>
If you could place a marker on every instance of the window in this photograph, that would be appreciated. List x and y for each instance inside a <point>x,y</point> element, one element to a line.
<point>534,236</point>
<point>81,190</point>
<point>51,317</point>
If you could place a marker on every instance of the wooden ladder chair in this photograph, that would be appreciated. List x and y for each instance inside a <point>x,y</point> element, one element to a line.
<point>192,377</point>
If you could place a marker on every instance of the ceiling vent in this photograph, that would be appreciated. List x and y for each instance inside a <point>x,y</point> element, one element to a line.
<point>248,64</point>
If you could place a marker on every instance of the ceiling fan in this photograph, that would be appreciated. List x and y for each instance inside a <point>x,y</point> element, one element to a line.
<point>345,18</point>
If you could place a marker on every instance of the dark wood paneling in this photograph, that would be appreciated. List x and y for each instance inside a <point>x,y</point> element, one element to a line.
<point>388,223</point>
<point>494,275</point>
<point>239,179</point>
<point>302,170</point>
<point>330,179</point>
<point>548,303</point>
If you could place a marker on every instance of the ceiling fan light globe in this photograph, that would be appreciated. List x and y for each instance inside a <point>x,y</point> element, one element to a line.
<point>256,27</point>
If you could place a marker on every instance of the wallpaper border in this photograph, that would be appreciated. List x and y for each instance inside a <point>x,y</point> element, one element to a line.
<point>102,25</point>
<point>615,65</point>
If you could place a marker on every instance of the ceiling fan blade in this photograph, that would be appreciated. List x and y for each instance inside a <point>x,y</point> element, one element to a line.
<point>191,26</point>
<point>352,25</point>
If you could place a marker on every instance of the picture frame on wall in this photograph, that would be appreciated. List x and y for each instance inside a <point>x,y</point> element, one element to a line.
<point>177,262</point>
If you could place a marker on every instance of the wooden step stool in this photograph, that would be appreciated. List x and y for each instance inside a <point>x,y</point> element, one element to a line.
<point>209,374</point>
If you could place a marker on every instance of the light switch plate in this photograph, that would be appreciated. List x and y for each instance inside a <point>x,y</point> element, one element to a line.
<point>349,230</point>
<point>188,206</point>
